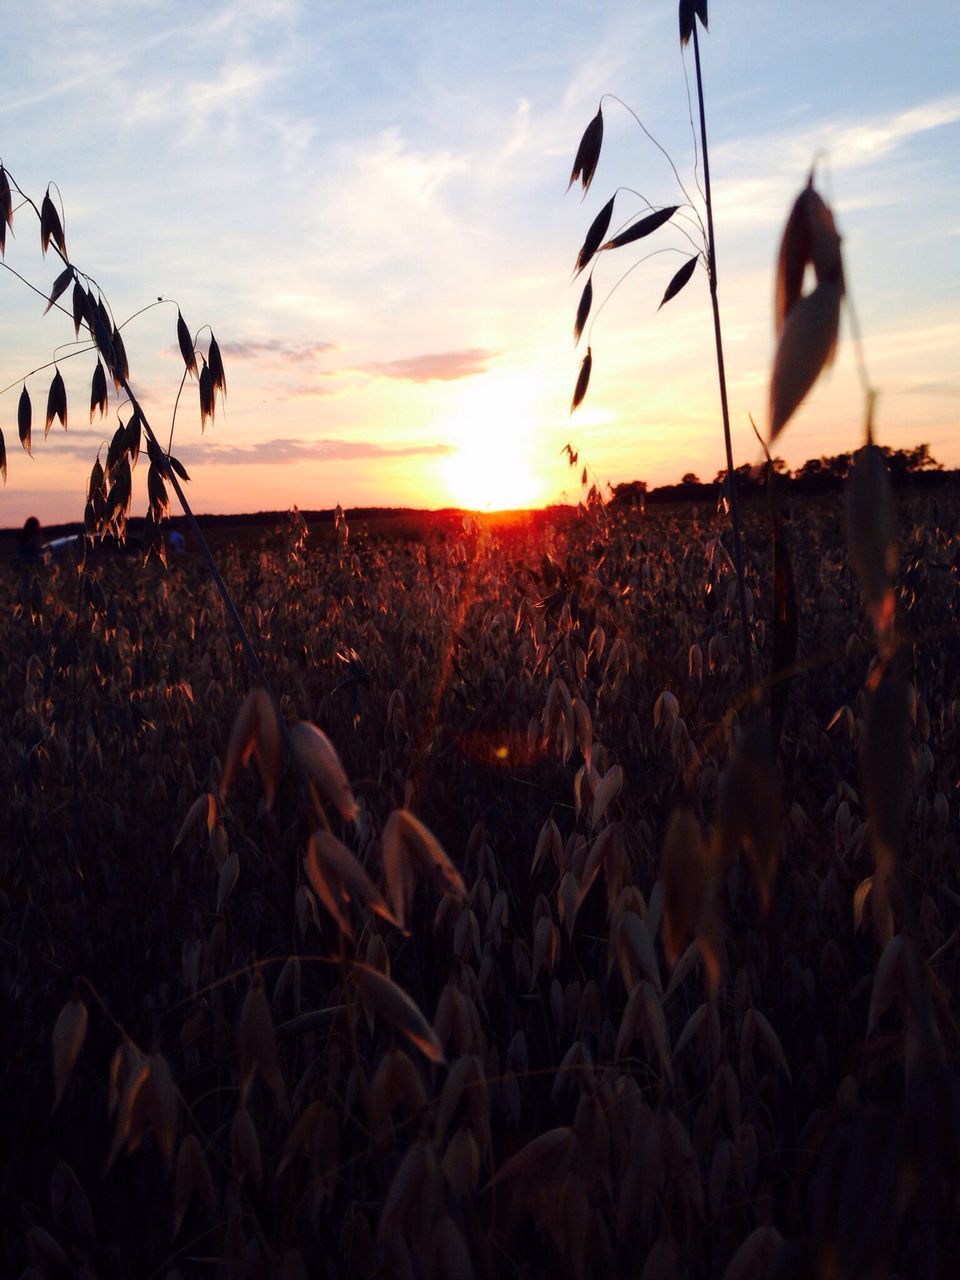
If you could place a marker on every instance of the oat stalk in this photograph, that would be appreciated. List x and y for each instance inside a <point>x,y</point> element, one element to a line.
<point>721,373</point>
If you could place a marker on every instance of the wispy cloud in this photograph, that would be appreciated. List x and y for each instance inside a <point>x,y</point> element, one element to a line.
<point>280,452</point>
<point>441,366</point>
<point>763,161</point>
<point>857,144</point>
<point>306,391</point>
<point>285,451</point>
<point>256,349</point>
<point>948,389</point>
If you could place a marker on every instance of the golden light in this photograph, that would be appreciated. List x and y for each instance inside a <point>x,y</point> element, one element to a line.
<point>491,428</point>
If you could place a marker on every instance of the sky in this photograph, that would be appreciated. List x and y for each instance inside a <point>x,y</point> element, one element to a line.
<point>366,203</point>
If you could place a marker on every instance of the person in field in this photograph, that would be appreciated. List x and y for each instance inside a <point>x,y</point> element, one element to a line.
<point>30,545</point>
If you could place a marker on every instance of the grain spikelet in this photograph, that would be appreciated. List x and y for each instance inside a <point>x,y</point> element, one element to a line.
<point>870,534</point>
<point>548,839</point>
<point>257,1044</point>
<point>69,1033</point>
<point>684,967</point>
<point>24,418</point>
<point>203,810</point>
<point>687,869</point>
<point>61,282</point>
<point>635,952</point>
<point>681,278</point>
<point>609,789</point>
<point>185,343</point>
<point>583,380</point>
<point>644,227</point>
<point>229,875</point>
<point>255,733</point>
<point>546,945</point>
<point>599,856</point>
<point>450,1252</point>
<point>749,810</point>
<point>661,1263</point>
<point>6,208</point>
<point>245,1148</point>
<point>886,980</point>
<point>131,1113</point>
<point>591,243</point>
<point>410,846</point>
<point>395,1080</point>
<point>330,863</point>
<point>588,153</point>
<point>546,1157</point>
<point>809,237</point>
<point>192,1177</point>
<point>666,709</point>
<point>461,1163</point>
<point>756,1028</point>
<point>162,1105</point>
<point>583,309</point>
<point>51,227</point>
<point>692,1026</point>
<point>395,1007</point>
<point>807,345</point>
<point>583,725</point>
<point>407,1184</point>
<point>301,1135</point>
<point>56,402</point>
<point>644,1013</point>
<point>47,1248</point>
<point>568,900</point>
<point>319,760</point>
<point>757,1256</point>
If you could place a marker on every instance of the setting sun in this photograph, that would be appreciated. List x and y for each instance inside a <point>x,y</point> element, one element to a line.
<point>493,467</point>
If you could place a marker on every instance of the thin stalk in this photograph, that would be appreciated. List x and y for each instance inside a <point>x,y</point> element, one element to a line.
<point>721,374</point>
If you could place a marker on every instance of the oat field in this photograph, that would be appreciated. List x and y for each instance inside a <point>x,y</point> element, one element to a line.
<point>519,946</point>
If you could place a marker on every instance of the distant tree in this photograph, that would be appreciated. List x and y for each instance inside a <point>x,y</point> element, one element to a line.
<point>690,478</point>
<point>631,493</point>
<point>748,476</point>
<point>904,463</point>
<point>826,470</point>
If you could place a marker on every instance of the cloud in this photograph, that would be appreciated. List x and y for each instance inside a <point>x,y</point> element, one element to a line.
<point>442,366</point>
<point>765,162</point>
<point>279,452</point>
<point>950,389</point>
<point>259,348</point>
<point>306,391</point>
<point>857,144</point>
<point>289,450</point>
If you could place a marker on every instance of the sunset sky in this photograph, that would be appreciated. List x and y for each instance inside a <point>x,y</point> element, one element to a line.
<point>366,201</point>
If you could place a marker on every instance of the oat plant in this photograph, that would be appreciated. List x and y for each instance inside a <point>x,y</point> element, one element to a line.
<point>687,218</point>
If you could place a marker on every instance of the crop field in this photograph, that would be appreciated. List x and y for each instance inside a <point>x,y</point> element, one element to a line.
<point>518,944</point>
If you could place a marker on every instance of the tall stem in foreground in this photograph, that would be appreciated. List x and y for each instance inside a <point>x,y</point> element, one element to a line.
<point>731,474</point>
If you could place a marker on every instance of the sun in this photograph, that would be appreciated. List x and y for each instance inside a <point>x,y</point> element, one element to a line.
<point>491,431</point>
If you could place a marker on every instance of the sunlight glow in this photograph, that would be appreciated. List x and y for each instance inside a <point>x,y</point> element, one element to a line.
<point>493,467</point>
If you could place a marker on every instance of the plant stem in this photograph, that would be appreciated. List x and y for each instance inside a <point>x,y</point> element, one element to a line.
<point>731,474</point>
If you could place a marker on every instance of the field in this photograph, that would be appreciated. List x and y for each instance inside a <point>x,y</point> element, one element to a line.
<point>627,1047</point>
